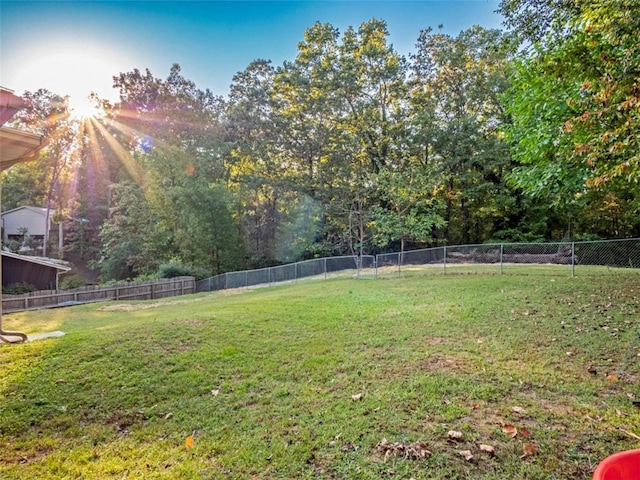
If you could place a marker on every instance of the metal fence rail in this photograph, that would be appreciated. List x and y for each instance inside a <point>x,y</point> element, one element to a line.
<point>317,268</point>
<point>561,258</point>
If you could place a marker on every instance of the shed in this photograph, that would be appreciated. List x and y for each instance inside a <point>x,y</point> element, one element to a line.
<point>38,271</point>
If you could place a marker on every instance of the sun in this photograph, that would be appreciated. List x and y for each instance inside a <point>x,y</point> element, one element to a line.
<point>83,107</point>
<point>72,68</point>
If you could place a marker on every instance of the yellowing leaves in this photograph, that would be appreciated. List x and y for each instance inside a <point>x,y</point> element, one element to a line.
<point>510,430</point>
<point>188,443</point>
<point>528,449</point>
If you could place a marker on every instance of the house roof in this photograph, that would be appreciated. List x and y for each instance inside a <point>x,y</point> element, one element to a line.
<point>38,210</point>
<point>9,104</point>
<point>47,262</point>
<point>15,146</point>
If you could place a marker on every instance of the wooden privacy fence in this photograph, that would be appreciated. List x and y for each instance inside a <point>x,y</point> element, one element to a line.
<point>164,287</point>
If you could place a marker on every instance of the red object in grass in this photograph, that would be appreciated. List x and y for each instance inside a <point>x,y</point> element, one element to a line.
<point>619,466</point>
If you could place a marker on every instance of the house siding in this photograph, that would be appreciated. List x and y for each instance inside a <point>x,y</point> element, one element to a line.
<point>16,271</point>
<point>31,218</point>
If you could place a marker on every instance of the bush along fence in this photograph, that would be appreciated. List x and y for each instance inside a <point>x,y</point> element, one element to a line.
<point>153,289</point>
<point>503,258</point>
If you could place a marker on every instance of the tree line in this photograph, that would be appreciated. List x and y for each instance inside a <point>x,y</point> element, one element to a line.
<point>527,134</point>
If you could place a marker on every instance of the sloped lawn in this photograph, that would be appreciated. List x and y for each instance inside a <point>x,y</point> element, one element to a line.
<point>460,376</point>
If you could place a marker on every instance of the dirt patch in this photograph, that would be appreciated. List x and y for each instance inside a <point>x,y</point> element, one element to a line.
<point>190,322</point>
<point>433,341</point>
<point>434,363</point>
<point>441,363</point>
<point>129,307</point>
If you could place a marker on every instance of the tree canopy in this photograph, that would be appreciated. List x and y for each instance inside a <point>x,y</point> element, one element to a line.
<point>350,147</point>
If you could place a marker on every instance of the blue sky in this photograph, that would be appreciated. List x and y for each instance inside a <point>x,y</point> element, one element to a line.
<point>74,47</point>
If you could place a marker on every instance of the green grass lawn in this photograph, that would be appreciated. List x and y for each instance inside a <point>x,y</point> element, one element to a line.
<point>339,379</point>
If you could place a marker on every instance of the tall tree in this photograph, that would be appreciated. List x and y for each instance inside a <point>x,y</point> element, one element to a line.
<point>45,183</point>
<point>170,135</point>
<point>456,112</point>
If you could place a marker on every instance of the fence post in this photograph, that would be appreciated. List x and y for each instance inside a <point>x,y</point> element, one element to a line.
<point>152,291</point>
<point>573,259</point>
<point>398,264</point>
<point>501,253</point>
<point>444,261</point>
<point>375,267</point>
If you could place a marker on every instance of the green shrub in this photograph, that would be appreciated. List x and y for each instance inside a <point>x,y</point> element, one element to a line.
<point>18,288</point>
<point>68,282</point>
<point>175,269</point>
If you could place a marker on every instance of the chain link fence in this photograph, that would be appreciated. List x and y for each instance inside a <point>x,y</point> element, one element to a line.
<point>323,268</point>
<point>559,258</point>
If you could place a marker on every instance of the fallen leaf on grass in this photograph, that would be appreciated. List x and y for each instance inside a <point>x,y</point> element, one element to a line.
<point>517,410</point>
<point>487,449</point>
<point>350,446</point>
<point>357,397</point>
<point>413,451</point>
<point>525,433</point>
<point>215,392</point>
<point>510,430</point>
<point>454,435</point>
<point>468,456</point>
<point>188,443</point>
<point>612,377</point>
<point>528,449</point>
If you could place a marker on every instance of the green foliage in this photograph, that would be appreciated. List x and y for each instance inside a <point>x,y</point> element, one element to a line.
<point>351,147</point>
<point>575,97</point>
<point>18,288</point>
<point>456,113</point>
<point>129,249</point>
<point>71,281</point>
<point>174,269</point>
